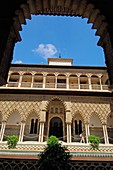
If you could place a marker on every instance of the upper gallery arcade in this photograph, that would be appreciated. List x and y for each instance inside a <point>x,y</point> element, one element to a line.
<point>14,14</point>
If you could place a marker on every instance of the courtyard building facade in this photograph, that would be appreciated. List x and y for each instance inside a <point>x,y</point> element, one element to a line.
<point>56,99</point>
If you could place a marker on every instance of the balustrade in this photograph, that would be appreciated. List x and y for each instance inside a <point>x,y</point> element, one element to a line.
<point>12,84</point>
<point>56,85</point>
<point>37,85</point>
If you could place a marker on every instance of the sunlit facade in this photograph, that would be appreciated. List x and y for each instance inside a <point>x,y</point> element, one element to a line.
<point>43,100</point>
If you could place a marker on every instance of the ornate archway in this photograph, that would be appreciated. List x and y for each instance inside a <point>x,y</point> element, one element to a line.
<point>56,127</point>
<point>17,13</point>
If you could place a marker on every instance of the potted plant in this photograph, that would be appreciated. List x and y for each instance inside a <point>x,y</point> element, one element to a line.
<point>12,141</point>
<point>94,141</point>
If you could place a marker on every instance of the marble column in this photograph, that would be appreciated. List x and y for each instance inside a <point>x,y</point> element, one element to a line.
<point>87,132</point>
<point>44,81</point>
<point>78,82</point>
<point>32,81</point>
<point>20,81</point>
<point>9,74</point>
<point>67,82</point>
<point>89,81</point>
<point>41,132</point>
<point>21,135</point>
<point>68,122</point>
<point>105,134</point>
<point>100,82</point>
<point>2,131</point>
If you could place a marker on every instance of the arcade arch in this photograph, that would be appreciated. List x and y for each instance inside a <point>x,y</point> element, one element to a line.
<point>55,117</point>
<point>95,126</point>
<point>31,127</point>
<point>12,125</point>
<point>83,8</point>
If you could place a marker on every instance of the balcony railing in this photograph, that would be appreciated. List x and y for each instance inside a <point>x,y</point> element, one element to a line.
<point>12,84</point>
<point>96,87</point>
<point>50,85</point>
<point>37,85</point>
<point>84,86</point>
<point>73,86</point>
<point>61,85</point>
<point>26,84</point>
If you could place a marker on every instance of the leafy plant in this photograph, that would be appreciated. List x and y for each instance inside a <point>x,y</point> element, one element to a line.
<point>12,141</point>
<point>94,141</point>
<point>52,140</point>
<point>55,156</point>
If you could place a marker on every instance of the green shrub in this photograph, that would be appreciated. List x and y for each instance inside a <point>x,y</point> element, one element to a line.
<point>52,140</point>
<point>12,141</point>
<point>94,141</point>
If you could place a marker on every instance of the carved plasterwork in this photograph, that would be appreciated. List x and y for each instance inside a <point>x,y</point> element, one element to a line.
<point>23,107</point>
<point>28,104</point>
<point>87,108</point>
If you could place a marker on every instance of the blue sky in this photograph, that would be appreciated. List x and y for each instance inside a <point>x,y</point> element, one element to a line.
<point>51,36</point>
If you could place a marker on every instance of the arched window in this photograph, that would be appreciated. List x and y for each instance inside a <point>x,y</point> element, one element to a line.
<point>34,126</point>
<point>51,109</point>
<point>78,127</point>
<point>56,110</point>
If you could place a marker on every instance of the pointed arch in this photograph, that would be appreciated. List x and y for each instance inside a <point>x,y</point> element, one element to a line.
<point>12,124</point>
<point>34,112</point>
<point>73,8</point>
<point>6,117</point>
<point>96,127</point>
<point>56,98</point>
<point>95,115</point>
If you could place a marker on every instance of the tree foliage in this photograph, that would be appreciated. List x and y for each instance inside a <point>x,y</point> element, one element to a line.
<point>12,141</point>
<point>94,141</point>
<point>54,157</point>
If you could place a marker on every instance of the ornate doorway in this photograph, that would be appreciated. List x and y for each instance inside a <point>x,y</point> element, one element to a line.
<point>56,127</point>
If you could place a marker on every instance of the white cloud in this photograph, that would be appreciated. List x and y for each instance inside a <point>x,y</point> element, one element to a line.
<point>18,62</point>
<point>46,50</point>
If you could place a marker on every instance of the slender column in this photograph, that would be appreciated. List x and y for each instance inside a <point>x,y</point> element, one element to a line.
<point>42,135</point>
<point>32,81</point>
<point>9,74</point>
<point>87,132</point>
<point>44,81</point>
<point>78,82</point>
<point>2,131</point>
<point>68,121</point>
<point>67,82</point>
<point>22,127</point>
<point>89,81</point>
<point>41,132</point>
<point>105,134</point>
<point>55,81</point>
<point>20,81</point>
<point>100,83</point>
<point>67,133</point>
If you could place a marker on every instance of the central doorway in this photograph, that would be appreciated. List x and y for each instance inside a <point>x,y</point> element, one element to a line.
<point>56,128</point>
